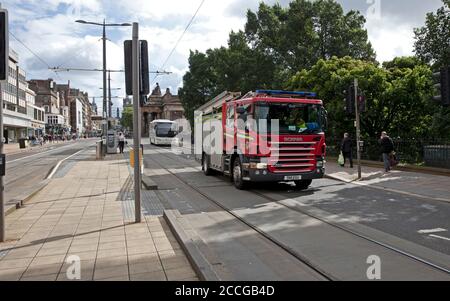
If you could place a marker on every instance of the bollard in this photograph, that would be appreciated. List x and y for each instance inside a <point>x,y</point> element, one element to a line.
<point>141,159</point>
<point>99,150</point>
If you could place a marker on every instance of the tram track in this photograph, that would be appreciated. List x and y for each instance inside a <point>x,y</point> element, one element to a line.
<point>289,250</point>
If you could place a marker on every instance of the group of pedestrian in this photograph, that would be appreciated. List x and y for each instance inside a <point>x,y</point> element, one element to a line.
<point>387,150</point>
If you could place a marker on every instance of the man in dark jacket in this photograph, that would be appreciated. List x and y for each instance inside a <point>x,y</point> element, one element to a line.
<point>346,148</point>
<point>387,147</point>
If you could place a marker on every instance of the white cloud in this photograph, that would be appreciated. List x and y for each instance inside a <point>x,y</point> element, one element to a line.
<point>389,43</point>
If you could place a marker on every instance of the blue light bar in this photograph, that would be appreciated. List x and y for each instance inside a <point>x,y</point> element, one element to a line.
<point>281,92</point>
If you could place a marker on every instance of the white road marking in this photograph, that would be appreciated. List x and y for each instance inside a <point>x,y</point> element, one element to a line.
<point>440,237</point>
<point>437,230</point>
<point>60,162</point>
<point>368,185</point>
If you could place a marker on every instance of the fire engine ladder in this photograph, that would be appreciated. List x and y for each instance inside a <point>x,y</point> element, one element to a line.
<point>218,101</point>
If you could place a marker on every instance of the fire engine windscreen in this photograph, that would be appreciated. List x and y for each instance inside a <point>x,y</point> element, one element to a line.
<point>166,130</point>
<point>293,118</point>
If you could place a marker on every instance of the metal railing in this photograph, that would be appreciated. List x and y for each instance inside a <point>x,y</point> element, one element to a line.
<point>428,152</point>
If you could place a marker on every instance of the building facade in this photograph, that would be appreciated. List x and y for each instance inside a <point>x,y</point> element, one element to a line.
<point>48,98</point>
<point>35,114</point>
<point>78,97</point>
<point>15,113</point>
<point>160,106</point>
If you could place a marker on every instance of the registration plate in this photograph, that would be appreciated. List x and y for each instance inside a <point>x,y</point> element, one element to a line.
<point>292,178</point>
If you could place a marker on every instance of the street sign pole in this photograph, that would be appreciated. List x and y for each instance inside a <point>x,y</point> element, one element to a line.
<point>358,130</point>
<point>136,123</point>
<point>5,38</point>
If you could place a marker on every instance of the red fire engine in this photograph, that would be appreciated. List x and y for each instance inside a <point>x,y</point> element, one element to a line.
<point>263,136</point>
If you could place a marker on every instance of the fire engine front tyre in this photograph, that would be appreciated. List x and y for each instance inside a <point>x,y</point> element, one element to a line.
<point>303,185</point>
<point>237,175</point>
<point>205,164</point>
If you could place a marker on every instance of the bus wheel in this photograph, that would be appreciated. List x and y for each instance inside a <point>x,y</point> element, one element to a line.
<point>237,175</point>
<point>205,163</point>
<point>303,185</point>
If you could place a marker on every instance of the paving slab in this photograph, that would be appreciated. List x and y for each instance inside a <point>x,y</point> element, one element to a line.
<point>80,215</point>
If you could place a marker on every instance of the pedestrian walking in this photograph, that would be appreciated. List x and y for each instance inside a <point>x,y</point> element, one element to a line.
<point>387,148</point>
<point>347,149</point>
<point>121,142</point>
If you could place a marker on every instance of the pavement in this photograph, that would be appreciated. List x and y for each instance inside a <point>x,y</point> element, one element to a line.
<point>80,215</point>
<point>26,172</point>
<point>423,185</point>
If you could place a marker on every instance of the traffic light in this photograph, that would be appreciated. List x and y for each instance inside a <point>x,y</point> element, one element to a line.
<point>350,100</point>
<point>4,45</point>
<point>362,103</point>
<point>144,79</point>
<point>442,85</point>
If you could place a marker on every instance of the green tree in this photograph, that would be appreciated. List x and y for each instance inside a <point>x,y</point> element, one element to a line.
<point>398,95</point>
<point>275,44</point>
<point>127,118</point>
<point>298,36</point>
<point>432,41</point>
<point>432,45</point>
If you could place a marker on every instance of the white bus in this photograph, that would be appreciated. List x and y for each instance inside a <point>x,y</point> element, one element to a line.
<point>163,132</point>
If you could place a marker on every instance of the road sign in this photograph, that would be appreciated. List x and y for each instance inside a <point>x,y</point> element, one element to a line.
<point>144,79</point>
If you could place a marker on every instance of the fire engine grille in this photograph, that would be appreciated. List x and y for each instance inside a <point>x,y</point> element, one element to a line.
<point>292,157</point>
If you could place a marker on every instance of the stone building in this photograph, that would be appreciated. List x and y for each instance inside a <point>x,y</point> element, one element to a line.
<point>56,113</point>
<point>77,98</point>
<point>159,106</point>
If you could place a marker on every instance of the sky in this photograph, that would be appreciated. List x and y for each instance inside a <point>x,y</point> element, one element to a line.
<point>48,28</point>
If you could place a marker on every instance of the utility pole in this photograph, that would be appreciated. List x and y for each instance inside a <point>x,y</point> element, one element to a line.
<point>109,98</point>
<point>105,112</point>
<point>4,78</point>
<point>358,130</point>
<point>136,121</point>
<point>2,187</point>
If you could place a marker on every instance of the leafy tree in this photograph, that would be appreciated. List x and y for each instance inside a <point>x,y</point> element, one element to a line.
<point>432,43</point>
<point>432,46</point>
<point>398,94</point>
<point>298,36</point>
<point>275,44</point>
<point>127,118</point>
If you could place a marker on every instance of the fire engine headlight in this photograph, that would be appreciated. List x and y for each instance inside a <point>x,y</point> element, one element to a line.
<point>258,165</point>
<point>261,166</point>
<point>320,164</point>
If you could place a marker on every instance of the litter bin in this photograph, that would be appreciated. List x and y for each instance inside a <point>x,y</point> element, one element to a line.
<point>23,143</point>
<point>100,150</point>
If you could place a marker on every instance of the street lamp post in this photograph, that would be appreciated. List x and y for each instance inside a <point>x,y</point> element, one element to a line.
<point>105,106</point>
<point>109,94</point>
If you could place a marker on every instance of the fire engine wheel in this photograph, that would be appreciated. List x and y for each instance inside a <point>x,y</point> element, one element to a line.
<point>206,169</point>
<point>303,185</point>
<point>237,175</point>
